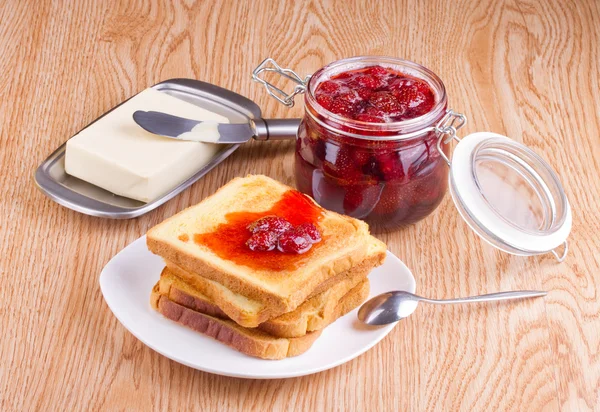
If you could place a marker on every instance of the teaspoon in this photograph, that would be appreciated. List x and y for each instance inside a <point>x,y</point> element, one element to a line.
<point>390,307</point>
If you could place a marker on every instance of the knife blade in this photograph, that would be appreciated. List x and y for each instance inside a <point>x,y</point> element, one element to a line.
<point>180,128</point>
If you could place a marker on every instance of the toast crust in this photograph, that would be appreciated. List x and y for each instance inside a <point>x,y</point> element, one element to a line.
<point>252,342</point>
<point>314,314</point>
<point>280,291</point>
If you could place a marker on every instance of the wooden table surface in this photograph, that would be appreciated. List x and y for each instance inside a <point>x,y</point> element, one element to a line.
<point>528,69</point>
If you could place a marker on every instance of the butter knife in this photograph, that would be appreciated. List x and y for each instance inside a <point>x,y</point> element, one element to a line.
<point>212,132</point>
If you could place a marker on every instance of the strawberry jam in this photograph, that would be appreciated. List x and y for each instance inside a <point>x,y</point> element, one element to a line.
<point>230,240</point>
<point>366,146</point>
<point>376,95</point>
<point>271,231</point>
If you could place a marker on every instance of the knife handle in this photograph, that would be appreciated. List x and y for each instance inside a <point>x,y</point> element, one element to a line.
<point>276,129</point>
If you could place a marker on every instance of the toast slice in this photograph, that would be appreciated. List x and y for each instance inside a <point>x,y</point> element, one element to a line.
<point>314,314</point>
<point>252,342</point>
<point>209,239</point>
<point>252,313</point>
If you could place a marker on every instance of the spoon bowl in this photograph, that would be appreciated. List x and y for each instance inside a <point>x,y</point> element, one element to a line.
<point>387,308</point>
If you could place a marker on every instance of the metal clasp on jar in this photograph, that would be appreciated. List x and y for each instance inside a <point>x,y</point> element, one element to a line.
<point>447,128</point>
<point>269,65</point>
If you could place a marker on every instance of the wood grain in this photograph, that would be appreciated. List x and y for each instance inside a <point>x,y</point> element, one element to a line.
<point>525,68</point>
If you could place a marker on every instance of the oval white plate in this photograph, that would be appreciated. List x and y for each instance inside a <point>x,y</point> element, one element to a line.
<point>126,282</point>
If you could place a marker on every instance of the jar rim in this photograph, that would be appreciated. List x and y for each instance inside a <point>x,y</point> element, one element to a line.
<point>404,129</point>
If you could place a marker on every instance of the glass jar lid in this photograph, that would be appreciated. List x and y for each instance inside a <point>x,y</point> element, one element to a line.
<point>509,195</point>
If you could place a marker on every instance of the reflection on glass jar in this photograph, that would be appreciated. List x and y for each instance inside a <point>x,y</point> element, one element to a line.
<point>387,173</point>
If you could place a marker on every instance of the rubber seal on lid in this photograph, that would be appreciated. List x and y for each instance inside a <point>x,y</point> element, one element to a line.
<point>509,195</point>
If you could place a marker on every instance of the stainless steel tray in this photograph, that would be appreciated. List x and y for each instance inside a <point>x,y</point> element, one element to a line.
<point>74,193</point>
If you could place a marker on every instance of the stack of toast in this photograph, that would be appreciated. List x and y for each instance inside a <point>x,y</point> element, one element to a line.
<point>267,304</point>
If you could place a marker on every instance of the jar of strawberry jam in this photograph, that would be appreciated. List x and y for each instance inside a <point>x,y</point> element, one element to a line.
<point>373,144</point>
<point>367,146</point>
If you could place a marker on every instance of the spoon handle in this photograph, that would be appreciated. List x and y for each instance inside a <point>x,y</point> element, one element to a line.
<point>490,297</point>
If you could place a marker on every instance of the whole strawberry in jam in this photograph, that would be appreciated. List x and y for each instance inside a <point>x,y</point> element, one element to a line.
<point>387,104</point>
<point>396,96</point>
<point>361,199</point>
<point>311,231</point>
<point>294,241</point>
<point>262,241</point>
<point>343,165</point>
<point>415,95</point>
<point>270,224</point>
<point>330,87</point>
<point>390,166</point>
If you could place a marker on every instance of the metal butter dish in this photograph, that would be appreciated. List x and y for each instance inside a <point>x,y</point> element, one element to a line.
<point>87,198</point>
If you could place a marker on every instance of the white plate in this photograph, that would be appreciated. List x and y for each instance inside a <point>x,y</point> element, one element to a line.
<point>126,282</point>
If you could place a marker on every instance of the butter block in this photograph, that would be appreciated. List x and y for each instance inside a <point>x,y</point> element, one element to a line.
<point>116,154</point>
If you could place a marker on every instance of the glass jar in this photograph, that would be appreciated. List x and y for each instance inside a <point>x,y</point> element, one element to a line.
<point>393,174</point>
<point>388,174</point>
